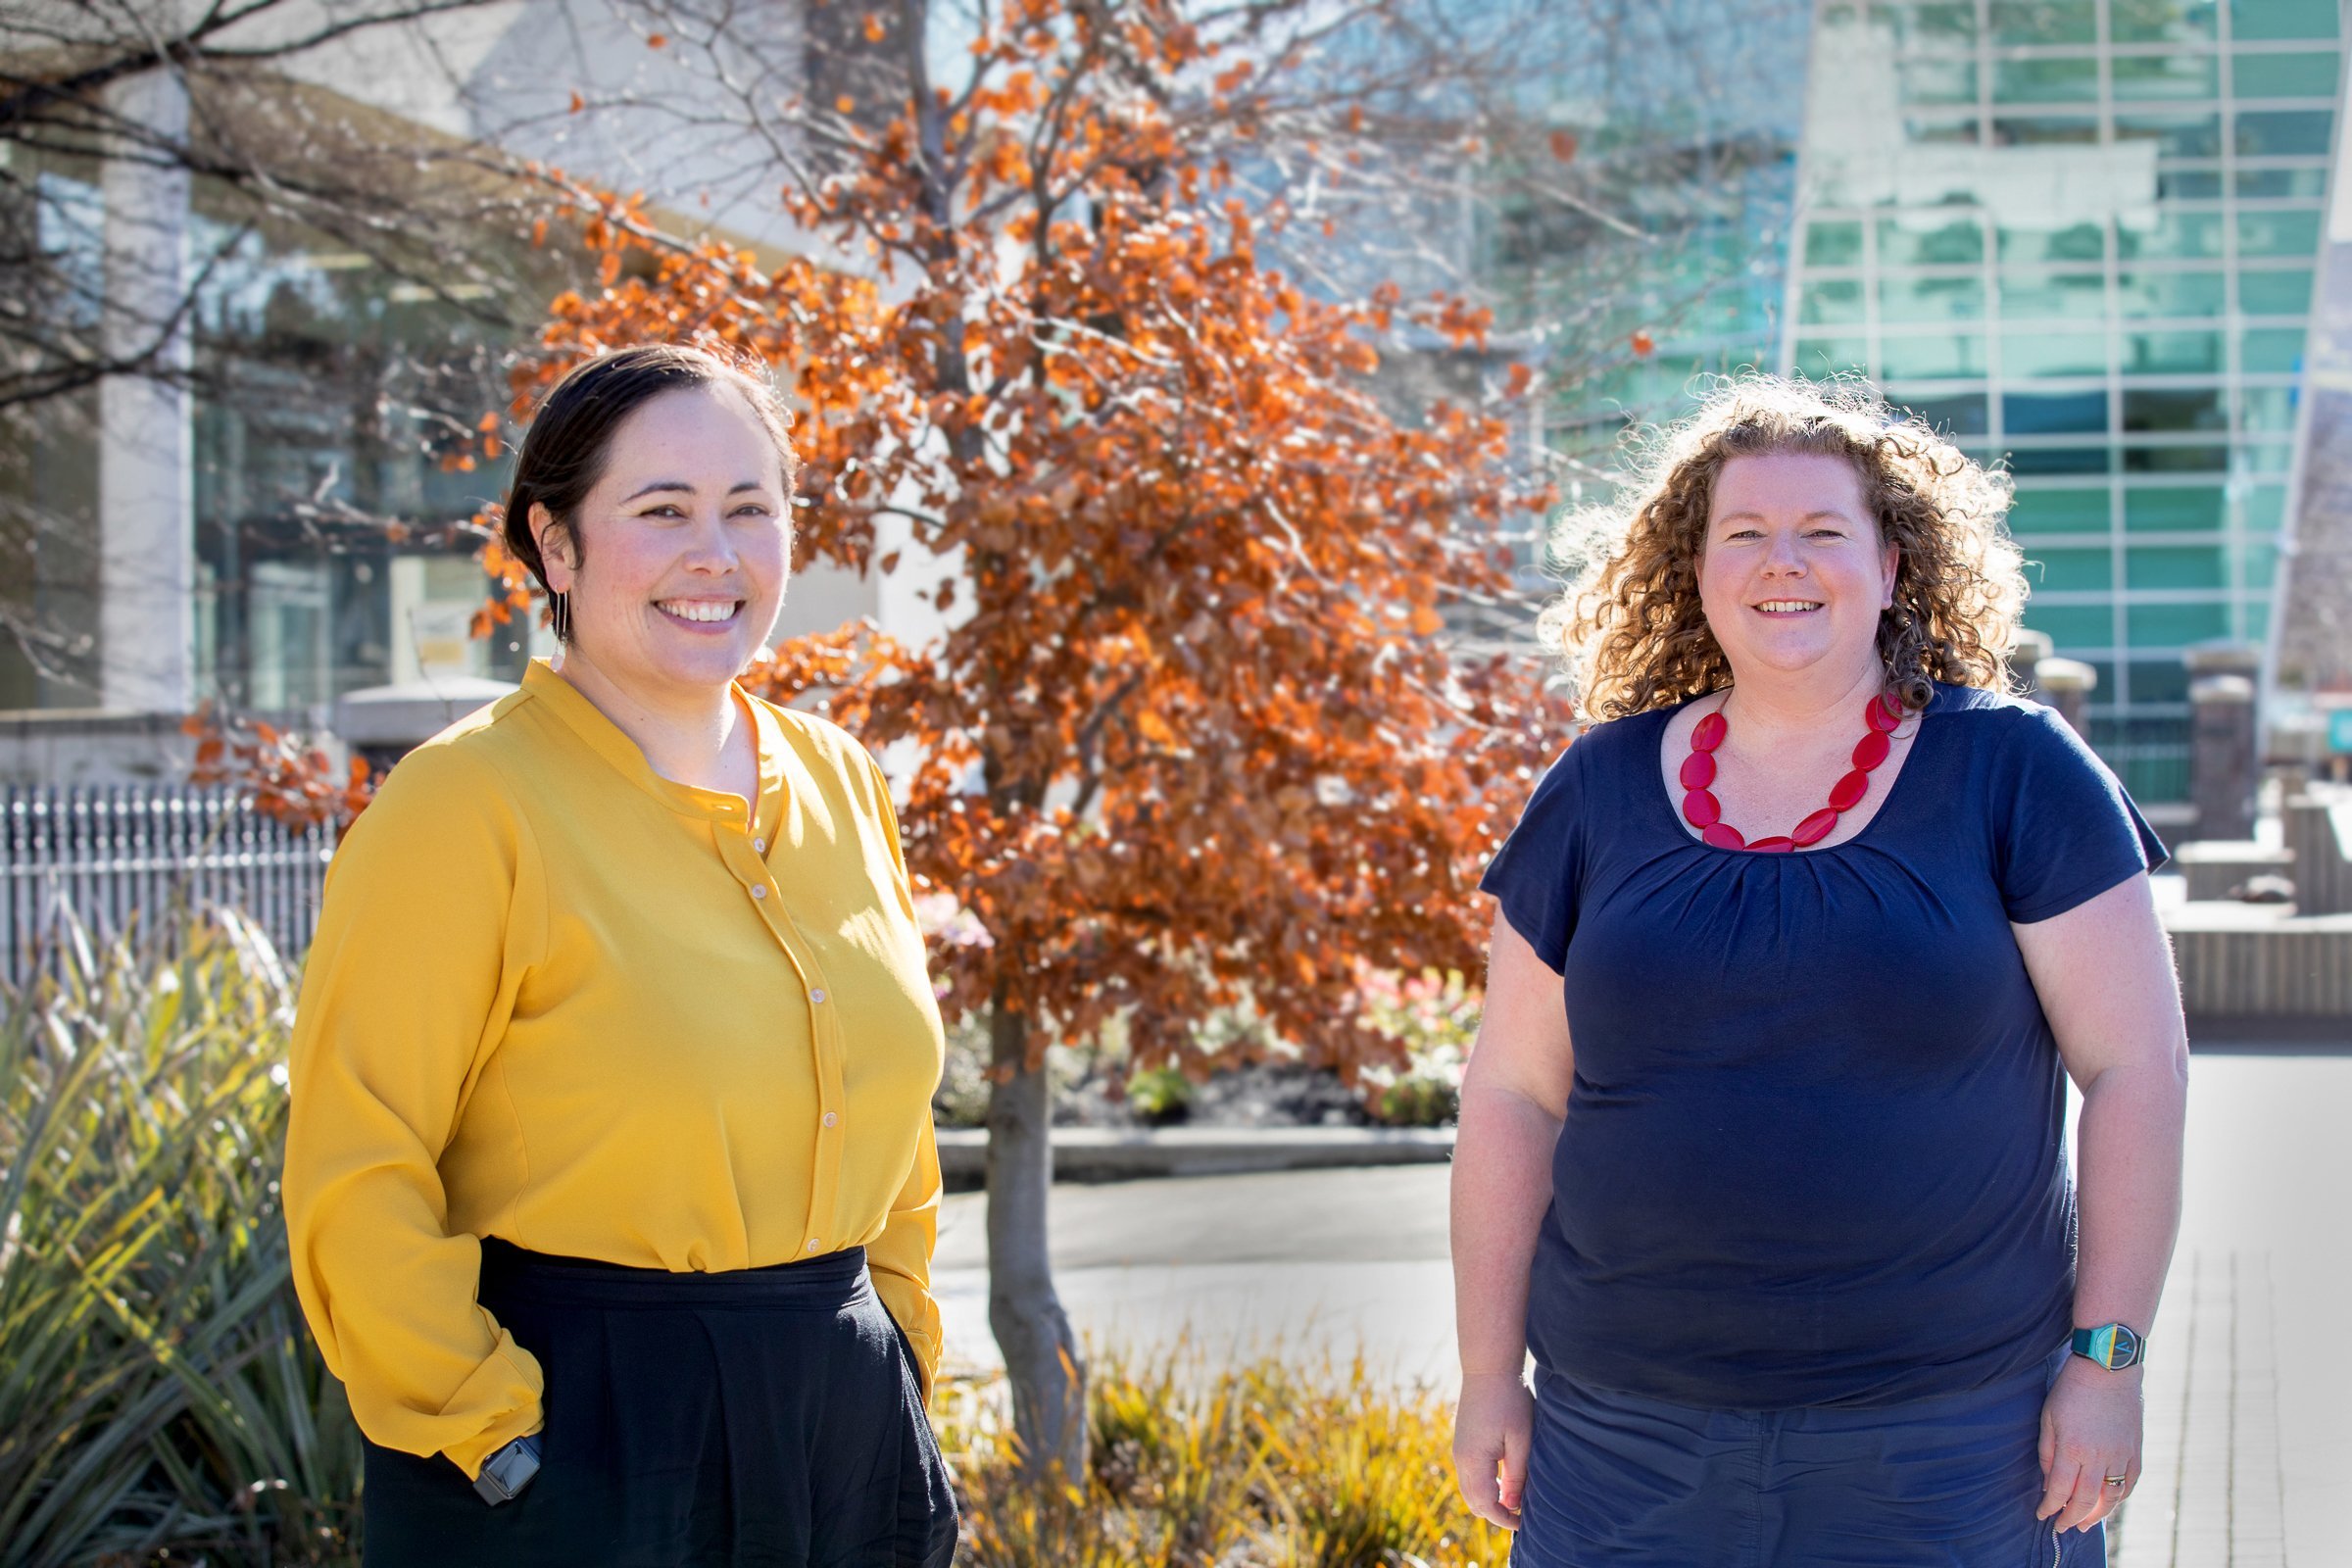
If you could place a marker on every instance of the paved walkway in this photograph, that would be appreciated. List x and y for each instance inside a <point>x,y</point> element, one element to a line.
<point>2250,1389</point>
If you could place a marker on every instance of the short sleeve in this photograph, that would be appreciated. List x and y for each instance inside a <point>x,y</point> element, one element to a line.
<point>2068,831</point>
<point>1534,875</point>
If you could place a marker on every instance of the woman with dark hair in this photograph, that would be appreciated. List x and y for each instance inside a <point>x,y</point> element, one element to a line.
<point>611,1181</point>
<point>1762,1148</point>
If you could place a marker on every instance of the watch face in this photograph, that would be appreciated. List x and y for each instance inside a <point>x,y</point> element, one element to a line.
<point>2126,1349</point>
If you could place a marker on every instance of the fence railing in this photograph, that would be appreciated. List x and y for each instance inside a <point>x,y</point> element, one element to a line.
<point>120,858</point>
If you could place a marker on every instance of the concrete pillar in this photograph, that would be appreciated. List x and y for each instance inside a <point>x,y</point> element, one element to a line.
<point>2220,756</point>
<point>147,559</point>
<point>2066,684</point>
<point>2025,661</point>
<point>2222,759</point>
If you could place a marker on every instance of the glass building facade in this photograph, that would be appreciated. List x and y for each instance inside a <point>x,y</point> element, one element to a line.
<point>2083,236</point>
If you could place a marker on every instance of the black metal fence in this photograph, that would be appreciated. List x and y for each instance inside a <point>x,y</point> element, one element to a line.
<point>127,857</point>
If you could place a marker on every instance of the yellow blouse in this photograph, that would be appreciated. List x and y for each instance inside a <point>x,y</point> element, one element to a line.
<point>558,998</point>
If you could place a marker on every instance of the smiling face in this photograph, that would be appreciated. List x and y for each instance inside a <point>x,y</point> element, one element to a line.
<point>683,548</point>
<point>1794,573</point>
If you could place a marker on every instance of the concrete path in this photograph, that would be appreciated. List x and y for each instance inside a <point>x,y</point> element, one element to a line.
<point>2250,1386</point>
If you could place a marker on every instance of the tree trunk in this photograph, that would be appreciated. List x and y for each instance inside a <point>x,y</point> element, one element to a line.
<point>1041,1355</point>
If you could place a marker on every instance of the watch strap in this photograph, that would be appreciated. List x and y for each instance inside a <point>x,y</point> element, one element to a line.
<point>2111,1346</point>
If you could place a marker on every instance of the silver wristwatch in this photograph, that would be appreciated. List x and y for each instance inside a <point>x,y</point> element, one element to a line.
<point>507,1471</point>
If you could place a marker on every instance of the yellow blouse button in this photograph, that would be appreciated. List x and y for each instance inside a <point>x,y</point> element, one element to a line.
<point>759,889</point>
<point>813,1243</point>
<point>759,845</point>
<point>832,1119</point>
<point>817,996</point>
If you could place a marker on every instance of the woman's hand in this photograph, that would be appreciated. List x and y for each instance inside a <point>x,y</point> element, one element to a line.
<point>1492,1427</point>
<point>2091,1429</point>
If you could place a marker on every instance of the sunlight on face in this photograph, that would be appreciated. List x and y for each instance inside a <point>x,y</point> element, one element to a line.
<point>1794,573</point>
<point>685,546</point>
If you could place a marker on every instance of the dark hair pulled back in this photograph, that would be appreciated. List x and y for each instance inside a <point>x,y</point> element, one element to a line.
<point>563,451</point>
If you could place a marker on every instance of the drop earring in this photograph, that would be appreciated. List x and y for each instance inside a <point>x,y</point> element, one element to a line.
<point>559,615</point>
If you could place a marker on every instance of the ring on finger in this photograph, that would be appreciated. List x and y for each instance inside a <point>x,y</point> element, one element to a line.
<point>2118,1481</point>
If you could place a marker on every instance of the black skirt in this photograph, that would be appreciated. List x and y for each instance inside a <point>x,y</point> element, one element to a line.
<point>761,1418</point>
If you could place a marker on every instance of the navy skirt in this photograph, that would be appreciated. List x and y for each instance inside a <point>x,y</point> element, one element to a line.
<point>1950,1482</point>
<point>761,1418</point>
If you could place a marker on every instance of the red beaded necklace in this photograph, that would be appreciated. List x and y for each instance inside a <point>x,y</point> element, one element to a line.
<point>1704,813</point>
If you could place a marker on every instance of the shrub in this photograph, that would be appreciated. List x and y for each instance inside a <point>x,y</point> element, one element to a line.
<point>1257,1466</point>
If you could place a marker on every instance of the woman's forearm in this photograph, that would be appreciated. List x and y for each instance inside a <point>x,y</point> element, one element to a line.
<point>2128,1189</point>
<point>1501,1187</point>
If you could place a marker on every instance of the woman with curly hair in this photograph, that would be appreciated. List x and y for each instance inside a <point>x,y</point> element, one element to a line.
<point>1779,1198</point>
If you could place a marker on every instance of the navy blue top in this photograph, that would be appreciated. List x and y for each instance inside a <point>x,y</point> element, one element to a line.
<point>1815,1145</point>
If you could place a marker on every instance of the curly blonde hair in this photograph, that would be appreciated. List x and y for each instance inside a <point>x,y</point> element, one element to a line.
<point>1630,623</point>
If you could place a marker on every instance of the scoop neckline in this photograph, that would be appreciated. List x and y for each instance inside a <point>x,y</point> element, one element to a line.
<point>1662,801</point>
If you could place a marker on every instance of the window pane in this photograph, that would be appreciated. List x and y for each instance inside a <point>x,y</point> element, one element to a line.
<point>2166,77</point>
<point>2175,567</point>
<point>2261,182</point>
<point>2059,460</point>
<point>2286,232</point>
<point>2175,625</point>
<point>1956,415</point>
<point>2174,409</point>
<point>2175,460</point>
<point>1939,82</point>
<point>1930,239</point>
<point>2054,413</point>
<point>1921,358</point>
<point>2283,19</point>
<point>2045,82</point>
<point>2259,564</point>
<point>2041,130</point>
<point>2252,459</point>
<point>2271,350</point>
<point>2059,511</point>
<point>2081,295</point>
<point>1828,355</point>
<point>2287,293</point>
<point>1830,244</point>
<point>2175,136</point>
<point>2073,625</point>
<point>1930,299</point>
<point>1933,22</point>
<point>2264,509</point>
<point>2266,407</point>
<point>2045,22</point>
<point>2083,242</point>
<point>1830,300</point>
<point>2160,20</point>
<point>1939,131</point>
<point>2071,570</point>
<point>2160,680</point>
<point>2285,134</point>
<point>2304,73</point>
<point>2174,509</point>
<point>2175,236</point>
<point>2172,354</point>
<point>2190,294</point>
<point>2188,184</point>
<point>2032,354</point>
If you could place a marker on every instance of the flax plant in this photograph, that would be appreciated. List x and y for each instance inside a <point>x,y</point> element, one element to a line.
<point>155,1388</point>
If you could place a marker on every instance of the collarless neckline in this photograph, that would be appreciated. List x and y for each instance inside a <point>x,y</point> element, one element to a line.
<point>1662,801</point>
<point>611,742</point>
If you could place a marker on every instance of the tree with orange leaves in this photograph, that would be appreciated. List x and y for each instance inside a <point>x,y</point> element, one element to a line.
<point>1195,734</point>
